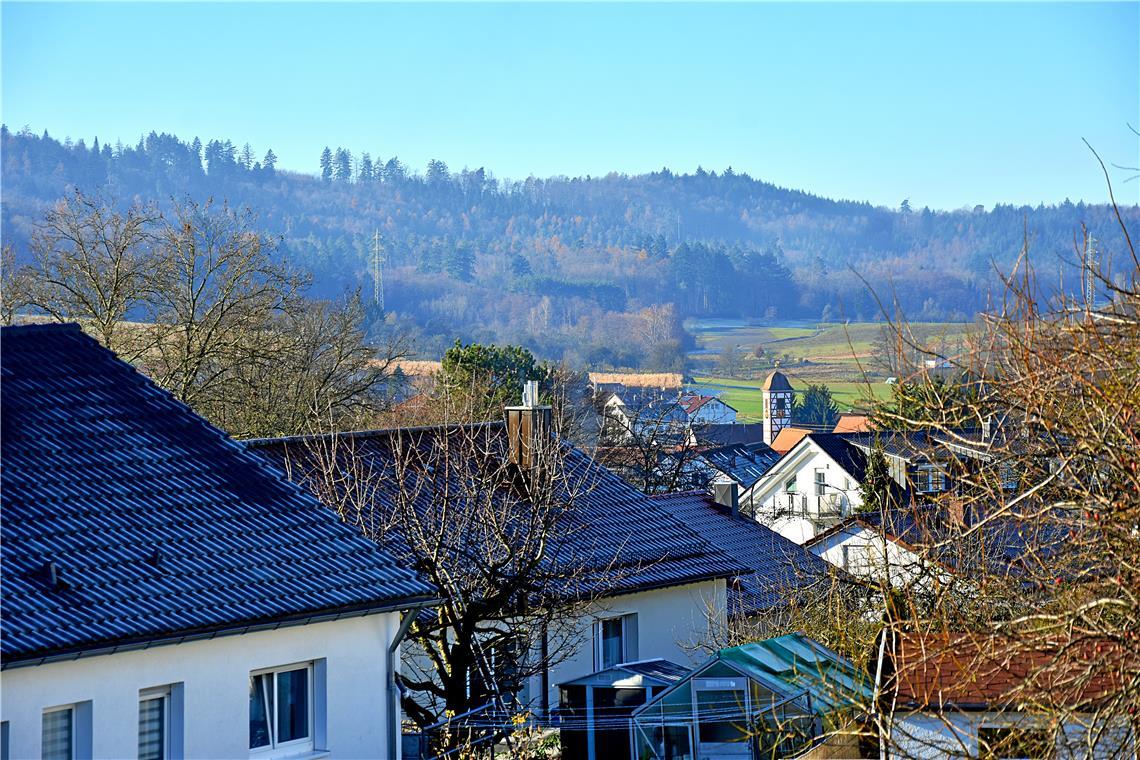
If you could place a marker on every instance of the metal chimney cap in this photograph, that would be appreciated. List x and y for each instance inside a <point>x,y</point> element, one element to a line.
<point>530,393</point>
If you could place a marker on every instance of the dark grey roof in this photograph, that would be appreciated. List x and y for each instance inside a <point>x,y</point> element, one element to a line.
<point>128,519</point>
<point>630,540</point>
<point>743,464</point>
<point>845,453</point>
<point>726,434</point>
<point>660,669</point>
<point>778,567</point>
<point>653,407</point>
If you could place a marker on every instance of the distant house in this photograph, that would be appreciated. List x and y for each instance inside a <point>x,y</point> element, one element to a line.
<point>165,593</point>
<point>783,697</point>
<point>707,410</point>
<point>960,695</point>
<point>810,488</point>
<point>648,415</point>
<point>668,583</point>
<point>919,543</point>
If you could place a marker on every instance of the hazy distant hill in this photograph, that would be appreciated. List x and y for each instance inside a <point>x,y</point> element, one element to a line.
<point>581,268</point>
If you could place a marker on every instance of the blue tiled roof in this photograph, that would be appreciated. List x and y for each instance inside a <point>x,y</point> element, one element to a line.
<point>777,566</point>
<point>632,542</point>
<point>128,519</point>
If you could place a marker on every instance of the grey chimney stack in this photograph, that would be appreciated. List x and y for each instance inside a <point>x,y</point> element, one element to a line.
<point>728,495</point>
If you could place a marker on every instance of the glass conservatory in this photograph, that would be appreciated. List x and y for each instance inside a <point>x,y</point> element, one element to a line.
<point>771,699</point>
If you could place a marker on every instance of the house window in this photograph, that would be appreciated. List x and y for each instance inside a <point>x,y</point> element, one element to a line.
<point>820,482</point>
<point>929,480</point>
<point>615,641</point>
<point>1014,743</point>
<point>281,709</point>
<point>156,721</point>
<point>59,734</point>
<point>790,486</point>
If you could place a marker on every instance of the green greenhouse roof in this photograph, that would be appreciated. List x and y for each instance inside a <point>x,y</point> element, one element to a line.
<point>802,664</point>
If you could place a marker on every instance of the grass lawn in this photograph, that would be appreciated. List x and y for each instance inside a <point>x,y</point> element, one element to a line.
<point>749,401</point>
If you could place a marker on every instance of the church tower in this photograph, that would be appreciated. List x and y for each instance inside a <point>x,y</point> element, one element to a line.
<point>777,405</point>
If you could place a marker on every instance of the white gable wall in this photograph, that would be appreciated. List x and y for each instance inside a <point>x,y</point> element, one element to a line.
<point>214,678</point>
<point>769,501</point>
<point>868,555</point>
<point>714,412</point>
<point>670,623</point>
<point>955,735</point>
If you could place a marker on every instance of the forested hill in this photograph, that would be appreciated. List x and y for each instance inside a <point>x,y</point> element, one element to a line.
<point>584,268</point>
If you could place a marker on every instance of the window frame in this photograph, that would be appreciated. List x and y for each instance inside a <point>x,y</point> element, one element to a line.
<point>628,647</point>
<point>71,738</point>
<point>276,748</point>
<point>163,693</point>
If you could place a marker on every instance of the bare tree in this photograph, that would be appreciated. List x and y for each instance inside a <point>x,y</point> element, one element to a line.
<point>508,545</point>
<point>203,303</point>
<point>90,263</point>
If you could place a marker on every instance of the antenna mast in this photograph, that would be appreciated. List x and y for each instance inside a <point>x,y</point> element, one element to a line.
<point>377,270</point>
<point>1090,265</point>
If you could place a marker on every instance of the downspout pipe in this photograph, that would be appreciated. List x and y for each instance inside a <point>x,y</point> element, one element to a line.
<point>408,617</point>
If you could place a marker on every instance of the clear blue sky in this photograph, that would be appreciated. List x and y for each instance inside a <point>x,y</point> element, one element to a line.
<point>947,105</point>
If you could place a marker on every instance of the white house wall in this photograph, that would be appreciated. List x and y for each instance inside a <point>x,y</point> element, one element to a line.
<point>870,556</point>
<point>214,678</point>
<point>955,735</point>
<point>670,623</point>
<point>801,463</point>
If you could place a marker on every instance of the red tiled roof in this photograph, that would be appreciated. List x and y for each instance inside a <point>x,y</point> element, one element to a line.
<point>787,439</point>
<point>979,672</point>
<point>853,423</point>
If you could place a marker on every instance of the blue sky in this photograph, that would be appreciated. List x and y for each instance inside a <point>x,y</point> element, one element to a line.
<point>948,105</point>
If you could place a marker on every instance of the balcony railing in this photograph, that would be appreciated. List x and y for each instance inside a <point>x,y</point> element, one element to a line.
<point>828,507</point>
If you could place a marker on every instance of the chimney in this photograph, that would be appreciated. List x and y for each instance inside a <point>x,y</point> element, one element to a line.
<point>528,428</point>
<point>728,495</point>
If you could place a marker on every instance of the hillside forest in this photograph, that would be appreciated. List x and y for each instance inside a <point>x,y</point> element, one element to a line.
<point>594,271</point>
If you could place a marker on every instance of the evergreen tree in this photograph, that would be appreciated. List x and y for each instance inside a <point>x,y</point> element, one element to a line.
<point>815,408</point>
<point>270,162</point>
<point>394,171</point>
<point>342,165</point>
<point>460,262</point>
<point>326,164</point>
<point>247,157</point>
<point>365,168</point>
<point>437,173</point>
<point>878,491</point>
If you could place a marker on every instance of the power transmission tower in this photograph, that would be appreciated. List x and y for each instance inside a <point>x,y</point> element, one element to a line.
<point>377,270</point>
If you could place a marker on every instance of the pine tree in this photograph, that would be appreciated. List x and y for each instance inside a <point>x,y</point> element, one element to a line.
<point>365,168</point>
<point>247,157</point>
<point>270,161</point>
<point>342,165</point>
<point>326,164</point>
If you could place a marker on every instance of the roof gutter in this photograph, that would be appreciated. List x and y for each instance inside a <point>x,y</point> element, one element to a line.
<point>409,616</point>
<point>131,646</point>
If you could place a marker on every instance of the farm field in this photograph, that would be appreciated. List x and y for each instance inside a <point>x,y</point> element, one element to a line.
<point>841,356</point>
<point>745,397</point>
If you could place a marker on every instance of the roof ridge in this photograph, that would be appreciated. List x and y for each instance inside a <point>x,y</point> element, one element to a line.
<point>42,327</point>
<point>368,433</point>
